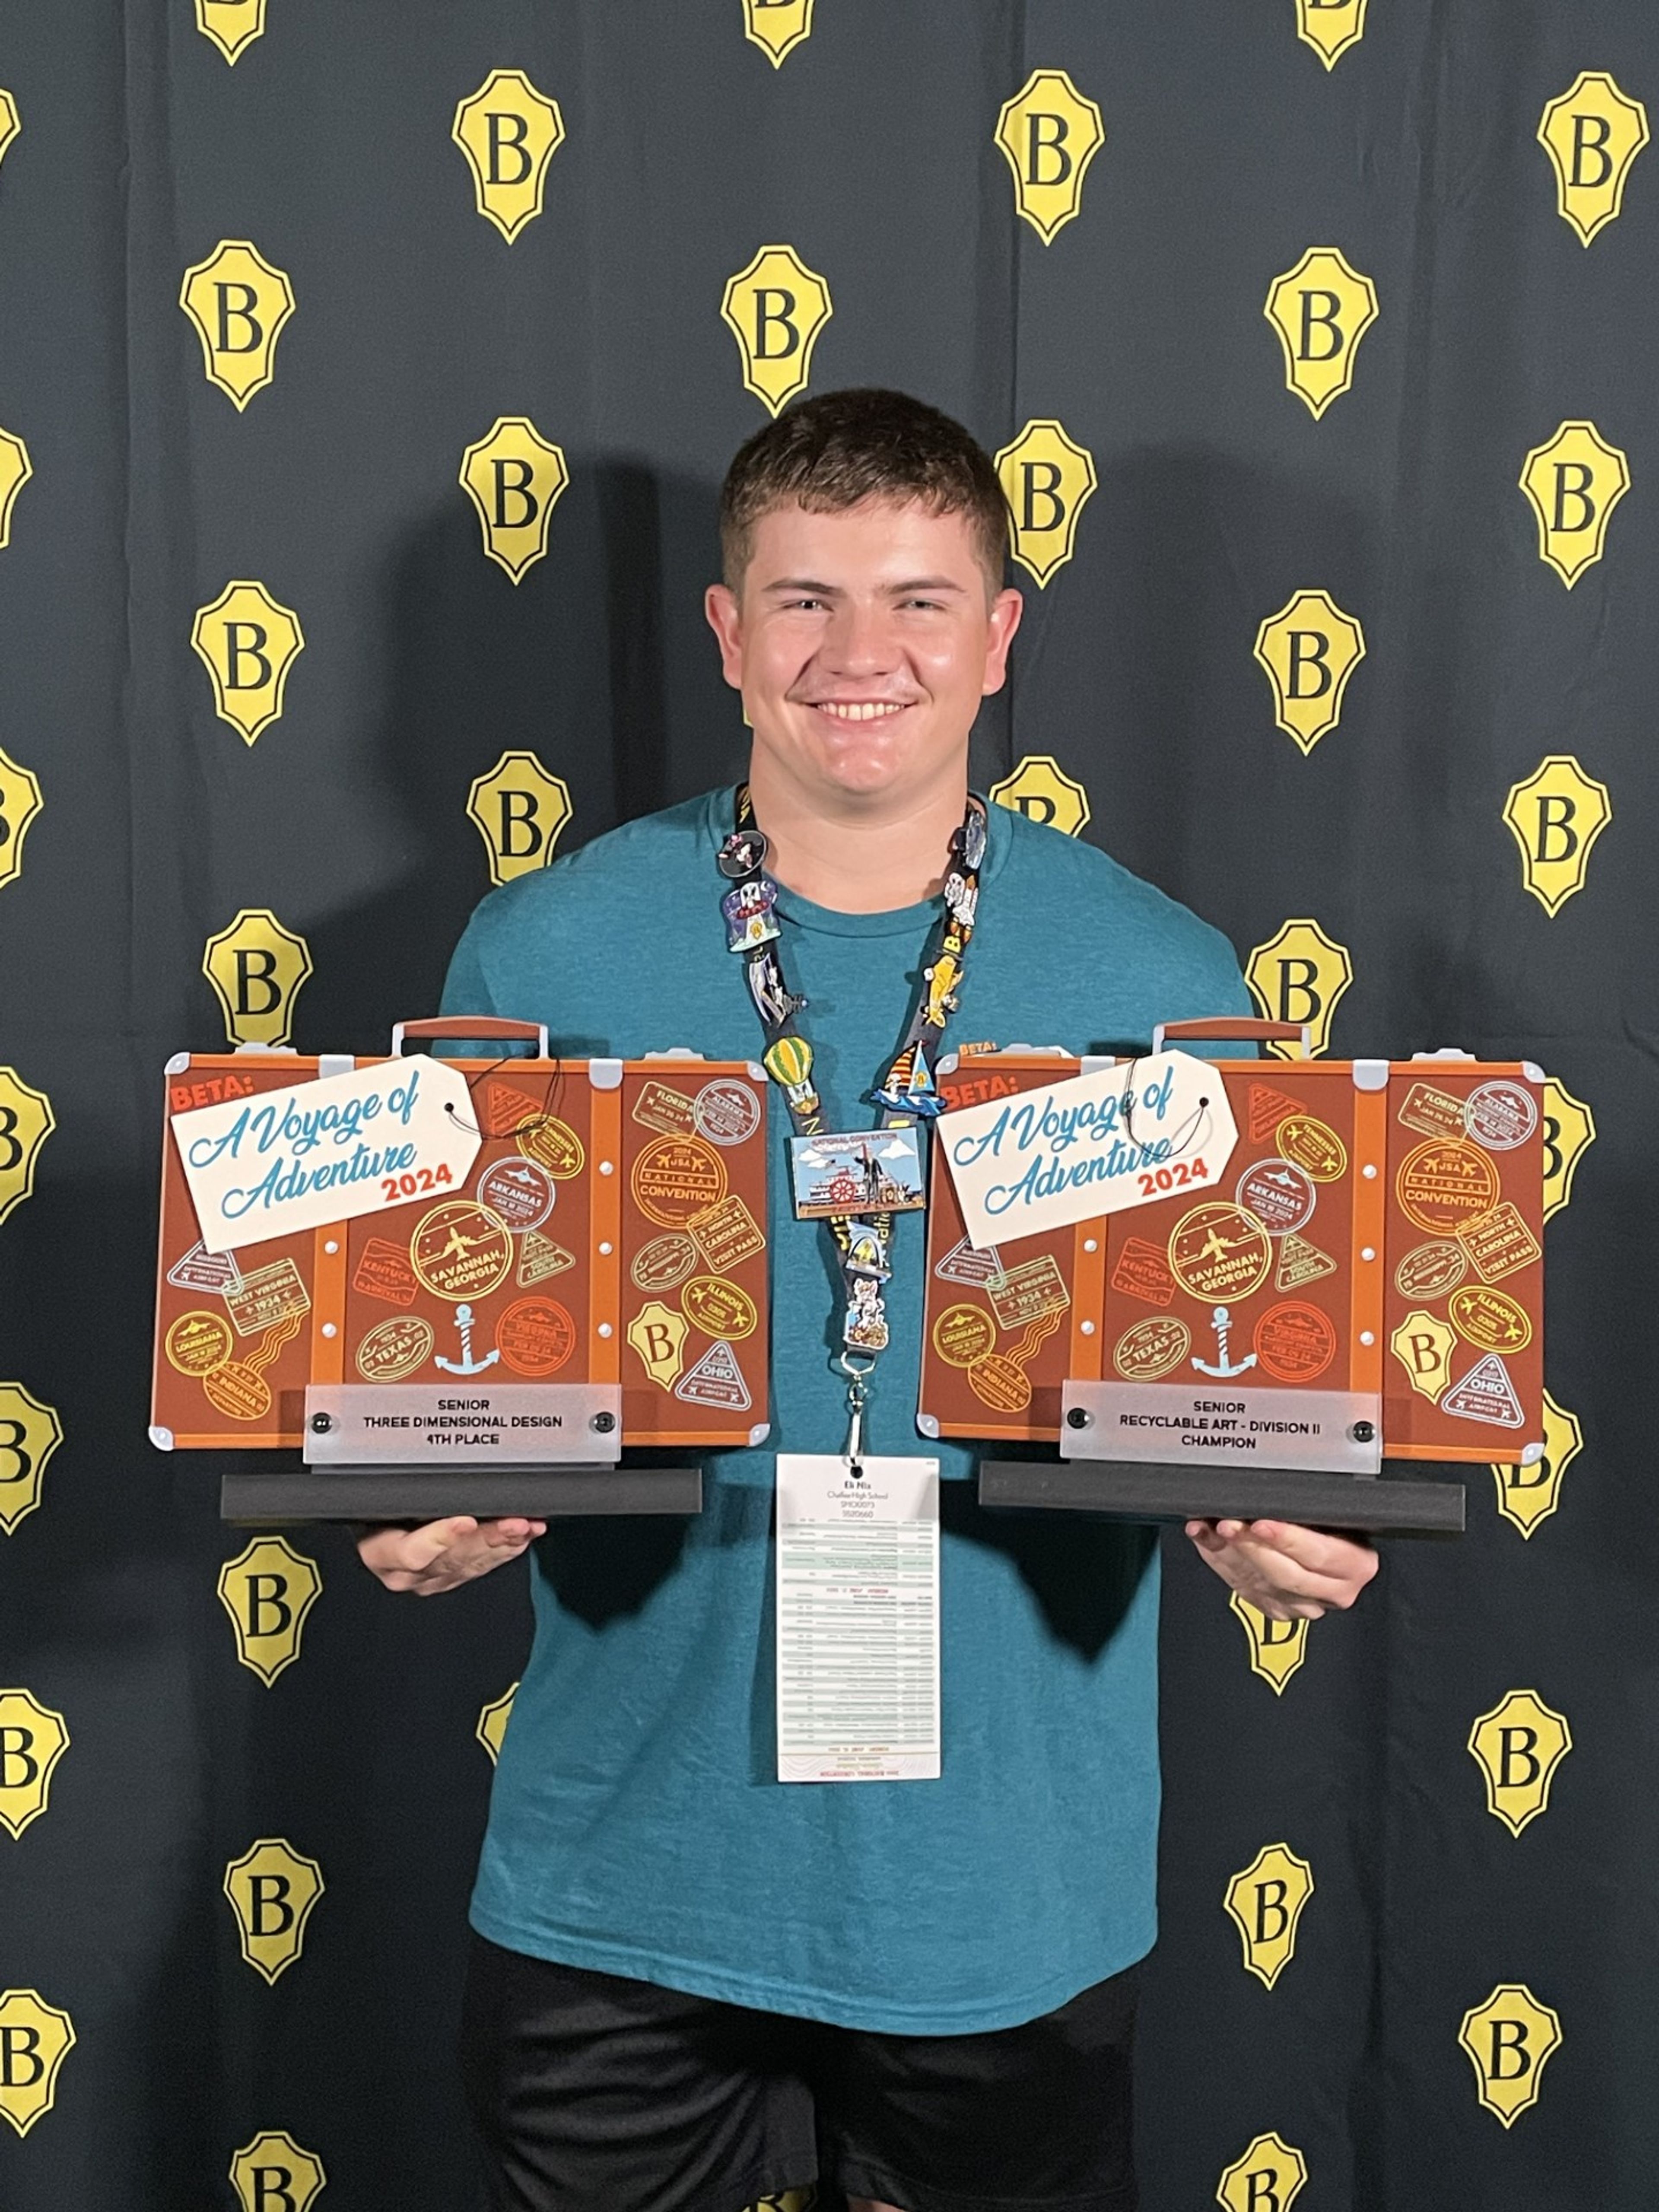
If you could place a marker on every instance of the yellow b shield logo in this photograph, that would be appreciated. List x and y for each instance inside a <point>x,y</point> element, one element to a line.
<point>1265,1901</point>
<point>1278,1647</point>
<point>231,25</point>
<point>29,1434</point>
<point>257,967</point>
<point>1049,134</point>
<point>1041,790</point>
<point>273,2174</point>
<point>519,810</point>
<point>1569,1129</point>
<point>1308,649</point>
<point>33,1738</point>
<point>1574,481</point>
<point>34,2038</point>
<point>20,802</point>
<point>1517,1746</point>
<point>1320,309</point>
<point>1298,975</point>
<point>1269,2177</point>
<point>1330,27</point>
<point>16,470</point>
<point>272,1888</point>
<point>10,122</point>
<point>239,304</point>
<point>268,1589</point>
<point>1046,478</point>
<point>1423,1343</point>
<point>508,132</point>
<point>515,479</point>
<point>775,309</point>
<point>25,1121</point>
<point>777,27</point>
<point>491,1730</point>
<point>1592,134</point>
<point>1555,816</point>
<point>1507,2039</point>
<point>247,641</point>
<point>1528,1495</point>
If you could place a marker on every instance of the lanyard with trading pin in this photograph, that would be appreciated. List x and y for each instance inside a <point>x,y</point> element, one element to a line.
<point>858,1537</point>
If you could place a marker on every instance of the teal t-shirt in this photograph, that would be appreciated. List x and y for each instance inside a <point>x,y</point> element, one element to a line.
<point>636,1825</point>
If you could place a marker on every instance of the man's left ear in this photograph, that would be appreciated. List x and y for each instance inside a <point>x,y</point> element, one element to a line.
<point>1006,609</point>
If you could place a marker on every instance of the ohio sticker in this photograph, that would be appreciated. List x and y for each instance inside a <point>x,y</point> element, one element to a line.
<point>348,1145</point>
<point>1098,1144</point>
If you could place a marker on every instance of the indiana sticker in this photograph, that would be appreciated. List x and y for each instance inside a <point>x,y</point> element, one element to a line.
<point>1096,1144</point>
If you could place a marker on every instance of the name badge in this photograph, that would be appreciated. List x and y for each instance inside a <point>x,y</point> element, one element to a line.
<point>858,1589</point>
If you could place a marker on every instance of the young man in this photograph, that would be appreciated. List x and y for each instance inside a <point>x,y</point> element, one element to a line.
<point>692,1982</point>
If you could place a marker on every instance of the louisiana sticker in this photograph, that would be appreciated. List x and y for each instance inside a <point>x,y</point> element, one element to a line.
<point>963,1335</point>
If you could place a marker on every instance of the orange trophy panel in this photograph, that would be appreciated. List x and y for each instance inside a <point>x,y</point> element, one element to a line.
<point>1463,1320</point>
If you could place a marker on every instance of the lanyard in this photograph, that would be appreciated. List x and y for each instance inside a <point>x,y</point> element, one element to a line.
<point>907,1093</point>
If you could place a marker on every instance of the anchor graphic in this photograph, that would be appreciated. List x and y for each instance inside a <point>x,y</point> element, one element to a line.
<point>466,1365</point>
<point>1220,1320</point>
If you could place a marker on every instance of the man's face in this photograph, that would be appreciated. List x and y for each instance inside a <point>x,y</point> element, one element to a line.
<point>863,642</point>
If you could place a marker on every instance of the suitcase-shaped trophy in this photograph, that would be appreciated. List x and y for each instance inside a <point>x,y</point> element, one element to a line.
<point>543,1263</point>
<point>1362,1282</point>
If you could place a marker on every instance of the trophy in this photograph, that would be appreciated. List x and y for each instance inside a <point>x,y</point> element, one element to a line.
<point>1313,1272</point>
<point>405,1287</point>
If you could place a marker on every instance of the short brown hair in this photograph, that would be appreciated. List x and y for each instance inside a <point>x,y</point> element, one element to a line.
<point>836,451</point>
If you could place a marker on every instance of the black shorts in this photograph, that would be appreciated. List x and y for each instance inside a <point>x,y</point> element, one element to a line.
<point>594,2094</point>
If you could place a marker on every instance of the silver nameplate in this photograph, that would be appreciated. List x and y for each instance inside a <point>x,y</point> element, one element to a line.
<point>1175,1424</point>
<point>460,1425</point>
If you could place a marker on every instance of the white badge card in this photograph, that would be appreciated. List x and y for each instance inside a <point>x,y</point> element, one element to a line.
<point>858,1618</point>
<point>1095,1143</point>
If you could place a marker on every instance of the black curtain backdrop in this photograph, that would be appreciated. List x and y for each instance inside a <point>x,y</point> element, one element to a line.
<point>339,836</point>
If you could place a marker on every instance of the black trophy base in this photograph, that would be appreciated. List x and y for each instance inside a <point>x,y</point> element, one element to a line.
<point>1126,1490</point>
<point>259,1496</point>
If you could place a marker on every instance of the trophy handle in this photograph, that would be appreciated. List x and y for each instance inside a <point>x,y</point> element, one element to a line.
<point>471,1025</point>
<point>1230,1028</point>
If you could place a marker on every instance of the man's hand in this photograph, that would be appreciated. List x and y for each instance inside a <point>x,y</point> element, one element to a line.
<point>1285,1572</point>
<point>444,1553</point>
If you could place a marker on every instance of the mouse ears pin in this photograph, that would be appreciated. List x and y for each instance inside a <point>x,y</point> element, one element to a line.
<point>742,854</point>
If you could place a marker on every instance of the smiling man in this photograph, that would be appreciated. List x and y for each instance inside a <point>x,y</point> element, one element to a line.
<point>693,1982</point>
